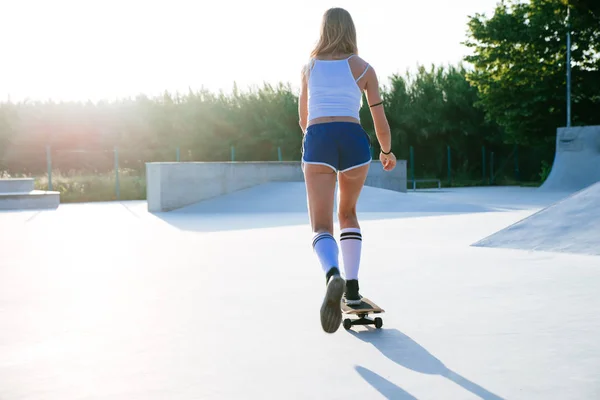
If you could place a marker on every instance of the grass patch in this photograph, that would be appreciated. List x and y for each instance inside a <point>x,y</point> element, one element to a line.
<point>84,186</point>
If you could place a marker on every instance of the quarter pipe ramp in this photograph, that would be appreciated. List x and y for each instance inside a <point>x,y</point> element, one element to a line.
<point>577,160</point>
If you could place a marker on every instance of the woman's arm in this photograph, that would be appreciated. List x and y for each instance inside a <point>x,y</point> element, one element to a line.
<point>382,128</point>
<point>303,101</point>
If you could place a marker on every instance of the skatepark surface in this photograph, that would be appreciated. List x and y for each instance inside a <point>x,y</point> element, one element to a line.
<point>220,300</point>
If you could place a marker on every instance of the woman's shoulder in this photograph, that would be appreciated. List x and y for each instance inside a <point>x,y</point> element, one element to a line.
<point>359,66</point>
<point>358,61</point>
<point>306,67</point>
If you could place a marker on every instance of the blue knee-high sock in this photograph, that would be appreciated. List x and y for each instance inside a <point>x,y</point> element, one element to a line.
<point>326,248</point>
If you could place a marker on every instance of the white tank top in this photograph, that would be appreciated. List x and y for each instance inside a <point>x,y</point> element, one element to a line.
<point>332,89</point>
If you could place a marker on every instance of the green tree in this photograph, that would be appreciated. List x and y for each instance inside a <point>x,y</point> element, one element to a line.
<point>519,60</point>
<point>431,109</point>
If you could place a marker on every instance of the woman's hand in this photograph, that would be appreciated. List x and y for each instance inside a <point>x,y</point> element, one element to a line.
<point>388,161</point>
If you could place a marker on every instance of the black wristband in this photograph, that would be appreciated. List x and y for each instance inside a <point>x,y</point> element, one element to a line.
<point>383,152</point>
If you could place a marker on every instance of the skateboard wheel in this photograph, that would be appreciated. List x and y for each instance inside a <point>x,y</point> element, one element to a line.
<point>347,324</point>
<point>378,322</point>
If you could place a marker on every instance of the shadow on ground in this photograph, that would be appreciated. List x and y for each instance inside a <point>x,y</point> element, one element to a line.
<point>404,351</point>
<point>387,389</point>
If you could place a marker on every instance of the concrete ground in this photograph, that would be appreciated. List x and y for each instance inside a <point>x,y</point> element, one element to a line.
<point>221,301</point>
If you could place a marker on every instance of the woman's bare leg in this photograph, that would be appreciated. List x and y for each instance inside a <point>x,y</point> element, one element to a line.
<point>320,183</point>
<point>350,186</point>
<point>320,188</point>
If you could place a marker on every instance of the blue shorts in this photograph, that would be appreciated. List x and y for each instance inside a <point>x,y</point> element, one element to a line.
<point>339,145</point>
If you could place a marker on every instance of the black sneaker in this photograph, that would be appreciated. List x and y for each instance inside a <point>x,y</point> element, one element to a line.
<point>351,295</point>
<point>331,312</point>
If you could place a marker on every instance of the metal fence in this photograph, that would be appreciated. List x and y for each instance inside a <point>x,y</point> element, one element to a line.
<point>118,173</point>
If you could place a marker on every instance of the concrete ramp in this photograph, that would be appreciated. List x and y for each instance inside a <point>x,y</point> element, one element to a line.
<point>171,186</point>
<point>279,204</point>
<point>577,160</point>
<point>571,225</point>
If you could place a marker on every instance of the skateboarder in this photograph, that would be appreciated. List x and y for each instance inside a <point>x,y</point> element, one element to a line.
<point>336,146</point>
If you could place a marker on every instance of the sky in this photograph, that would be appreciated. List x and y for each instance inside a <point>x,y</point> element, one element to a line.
<point>93,50</point>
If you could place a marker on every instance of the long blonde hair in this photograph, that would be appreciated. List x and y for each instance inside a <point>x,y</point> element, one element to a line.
<point>338,34</point>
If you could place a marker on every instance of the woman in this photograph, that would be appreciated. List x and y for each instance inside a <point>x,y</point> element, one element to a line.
<point>336,146</point>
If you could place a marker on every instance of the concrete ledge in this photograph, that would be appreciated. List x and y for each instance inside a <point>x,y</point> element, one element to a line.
<point>173,185</point>
<point>35,199</point>
<point>14,185</point>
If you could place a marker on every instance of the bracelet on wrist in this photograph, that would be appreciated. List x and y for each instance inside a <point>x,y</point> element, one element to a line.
<point>383,152</point>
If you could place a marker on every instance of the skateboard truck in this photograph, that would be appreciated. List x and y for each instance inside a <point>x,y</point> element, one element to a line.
<point>363,320</point>
<point>362,310</point>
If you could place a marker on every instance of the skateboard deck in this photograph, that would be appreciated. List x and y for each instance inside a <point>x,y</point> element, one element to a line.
<point>362,310</point>
<point>365,307</point>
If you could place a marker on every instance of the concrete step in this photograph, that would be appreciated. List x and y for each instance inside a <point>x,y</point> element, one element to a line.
<point>31,200</point>
<point>14,185</point>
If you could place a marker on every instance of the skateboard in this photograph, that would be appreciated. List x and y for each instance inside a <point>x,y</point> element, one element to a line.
<point>363,309</point>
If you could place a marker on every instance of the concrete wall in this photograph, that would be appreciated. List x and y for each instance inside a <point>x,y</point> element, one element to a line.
<point>394,180</point>
<point>173,185</point>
